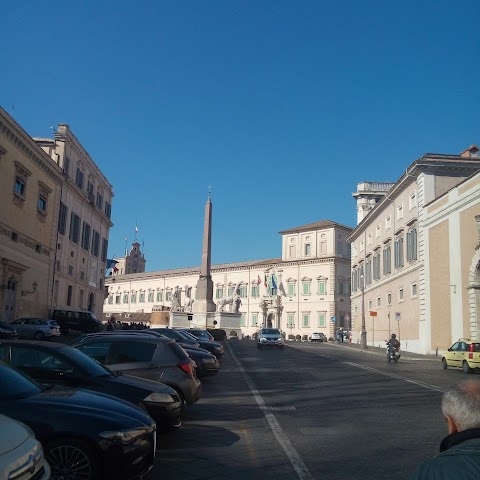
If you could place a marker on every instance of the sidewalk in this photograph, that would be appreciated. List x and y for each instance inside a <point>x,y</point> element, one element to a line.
<point>382,351</point>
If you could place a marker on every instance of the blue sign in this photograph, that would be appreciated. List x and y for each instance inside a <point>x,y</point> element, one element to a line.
<point>333,319</point>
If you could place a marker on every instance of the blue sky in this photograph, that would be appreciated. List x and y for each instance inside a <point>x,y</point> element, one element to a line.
<point>281,106</point>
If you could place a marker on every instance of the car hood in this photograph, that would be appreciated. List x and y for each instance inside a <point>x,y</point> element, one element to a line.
<point>85,402</point>
<point>144,383</point>
<point>271,336</point>
<point>199,353</point>
<point>13,434</point>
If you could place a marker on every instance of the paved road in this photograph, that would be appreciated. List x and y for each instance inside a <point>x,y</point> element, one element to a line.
<point>311,411</point>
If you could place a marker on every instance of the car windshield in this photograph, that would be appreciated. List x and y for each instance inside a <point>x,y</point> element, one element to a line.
<point>270,331</point>
<point>89,365</point>
<point>15,385</point>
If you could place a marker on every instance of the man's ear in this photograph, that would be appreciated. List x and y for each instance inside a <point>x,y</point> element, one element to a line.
<point>451,425</point>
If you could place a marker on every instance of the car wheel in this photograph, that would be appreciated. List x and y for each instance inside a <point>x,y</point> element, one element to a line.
<point>39,336</point>
<point>71,458</point>
<point>444,363</point>
<point>466,367</point>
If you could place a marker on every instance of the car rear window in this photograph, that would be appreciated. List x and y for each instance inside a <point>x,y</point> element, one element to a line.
<point>476,347</point>
<point>131,352</point>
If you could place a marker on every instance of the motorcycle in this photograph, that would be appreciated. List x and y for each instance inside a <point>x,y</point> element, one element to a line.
<point>393,353</point>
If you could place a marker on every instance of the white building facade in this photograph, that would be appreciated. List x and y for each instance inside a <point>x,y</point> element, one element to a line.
<point>306,290</point>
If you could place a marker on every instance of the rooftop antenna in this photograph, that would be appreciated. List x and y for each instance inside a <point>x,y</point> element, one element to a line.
<point>53,129</point>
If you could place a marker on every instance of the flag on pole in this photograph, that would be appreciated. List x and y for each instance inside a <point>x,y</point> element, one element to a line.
<point>265,283</point>
<point>111,263</point>
<point>259,280</point>
<point>274,284</point>
<point>136,229</point>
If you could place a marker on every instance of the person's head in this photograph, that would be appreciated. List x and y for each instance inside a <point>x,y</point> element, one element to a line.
<point>394,336</point>
<point>112,319</point>
<point>461,406</point>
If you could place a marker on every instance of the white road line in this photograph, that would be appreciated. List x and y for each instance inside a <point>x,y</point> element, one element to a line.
<point>392,375</point>
<point>295,459</point>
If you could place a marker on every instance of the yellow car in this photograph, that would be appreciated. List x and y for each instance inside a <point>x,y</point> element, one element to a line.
<point>464,354</point>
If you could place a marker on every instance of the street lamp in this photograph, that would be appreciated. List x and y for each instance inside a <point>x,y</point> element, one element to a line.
<point>363,338</point>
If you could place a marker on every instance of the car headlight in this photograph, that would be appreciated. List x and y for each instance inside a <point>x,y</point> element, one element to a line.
<point>124,436</point>
<point>280,340</point>
<point>218,348</point>
<point>159,398</point>
<point>209,360</point>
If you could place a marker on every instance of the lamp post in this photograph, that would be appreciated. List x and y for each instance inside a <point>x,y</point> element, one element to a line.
<point>363,338</point>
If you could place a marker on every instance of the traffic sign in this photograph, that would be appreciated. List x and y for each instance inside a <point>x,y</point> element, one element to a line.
<point>373,314</point>
<point>333,319</point>
<point>397,315</point>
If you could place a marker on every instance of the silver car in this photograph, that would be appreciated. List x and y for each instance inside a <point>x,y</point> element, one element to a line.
<point>270,337</point>
<point>36,328</point>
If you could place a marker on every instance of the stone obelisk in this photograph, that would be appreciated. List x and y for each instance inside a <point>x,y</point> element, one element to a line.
<point>204,303</point>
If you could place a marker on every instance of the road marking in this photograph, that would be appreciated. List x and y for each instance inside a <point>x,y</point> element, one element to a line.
<point>392,375</point>
<point>295,459</point>
<point>289,408</point>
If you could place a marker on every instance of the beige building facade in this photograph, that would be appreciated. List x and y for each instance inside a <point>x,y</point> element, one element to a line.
<point>392,258</point>
<point>84,221</point>
<point>304,291</point>
<point>30,190</point>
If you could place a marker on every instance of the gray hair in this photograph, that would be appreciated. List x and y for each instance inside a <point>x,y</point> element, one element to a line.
<point>462,403</point>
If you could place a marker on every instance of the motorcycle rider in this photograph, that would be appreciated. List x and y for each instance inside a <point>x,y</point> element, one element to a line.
<point>393,343</point>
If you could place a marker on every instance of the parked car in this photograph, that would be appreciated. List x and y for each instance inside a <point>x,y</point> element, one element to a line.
<point>76,320</point>
<point>58,364</point>
<point>270,338</point>
<point>464,354</point>
<point>84,434</point>
<point>207,363</point>
<point>199,333</point>
<point>147,356</point>
<point>206,342</point>
<point>21,454</point>
<point>318,337</point>
<point>7,330</point>
<point>37,328</point>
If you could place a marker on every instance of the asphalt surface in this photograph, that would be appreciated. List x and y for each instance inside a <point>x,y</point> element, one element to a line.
<point>311,411</point>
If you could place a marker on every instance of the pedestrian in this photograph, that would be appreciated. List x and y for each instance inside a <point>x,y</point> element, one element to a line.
<point>338,335</point>
<point>111,325</point>
<point>459,456</point>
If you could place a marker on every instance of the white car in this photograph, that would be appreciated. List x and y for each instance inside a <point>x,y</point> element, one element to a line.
<point>21,455</point>
<point>318,337</point>
<point>270,337</point>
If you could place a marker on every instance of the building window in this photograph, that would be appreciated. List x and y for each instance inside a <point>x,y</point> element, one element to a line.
<point>62,219</point>
<point>117,299</point>
<point>308,249</point>
<point>95,243</point>
<point>42,204</point>
<point>104,250</point>
<point>79,178</point>
<point>414,290</point>
<point>389,298</point>
<point>291,289</point>
<point>413,200</point>
<point>387,260</point>
<point>20,187</point>
<point>74,227</point>
<point>133,297</point>
<point>293,251</point>
<point>99,201</point>
<point>412,244</point>
<point>125,297</point>
<point>322,319</point>
<point>110,299</point>
<point>377,231</point>
<point>255,291</point>
<point>379,302</point>
<point>368,271</point>
<point>254,319</point>
<point>388,222</point>
<point>69,295</point>
<point>376,266</point>
<point>230,290</point>
<point>86,236</point>
<point>242,320</point>
<point>141,297</point>
<point>399,252</point>
<point>159,295</point>
<point>306,319</point>
<point>219,292</point>
<point>168,296</point>
<point>400,294</point>
<point>242,291</point>
<point>400,211</point>
<point>70,270</point>
<point>290,320</point>
<point>150,296</point>
<point>306,287</point>
<point>322,287</point>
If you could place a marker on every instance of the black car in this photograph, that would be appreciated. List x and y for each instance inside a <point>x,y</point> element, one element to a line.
<point>84,434</point>
<point>206,342</point>
<point>59,364</point>
<point>7,330</point>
